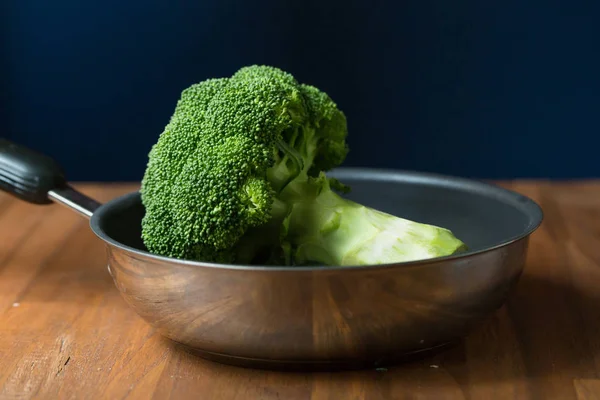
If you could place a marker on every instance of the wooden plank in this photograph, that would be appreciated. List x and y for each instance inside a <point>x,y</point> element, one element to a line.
<point>66,333</point>
<point>587,389</point>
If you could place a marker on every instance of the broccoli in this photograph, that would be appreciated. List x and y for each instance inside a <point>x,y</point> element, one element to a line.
<point>238,176</point>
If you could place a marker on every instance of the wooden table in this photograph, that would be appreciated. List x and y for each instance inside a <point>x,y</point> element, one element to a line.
<point>65,332</point>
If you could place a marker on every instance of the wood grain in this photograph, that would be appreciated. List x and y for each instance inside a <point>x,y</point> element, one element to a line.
<point>65,332</point>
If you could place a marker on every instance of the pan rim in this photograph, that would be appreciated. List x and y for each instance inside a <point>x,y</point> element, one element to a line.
<point>527,205</point>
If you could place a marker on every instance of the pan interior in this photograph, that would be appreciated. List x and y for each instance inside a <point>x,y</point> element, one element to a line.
<point>481,215</point>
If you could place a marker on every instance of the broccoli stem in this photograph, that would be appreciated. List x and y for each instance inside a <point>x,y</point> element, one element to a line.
<point>324,228</point>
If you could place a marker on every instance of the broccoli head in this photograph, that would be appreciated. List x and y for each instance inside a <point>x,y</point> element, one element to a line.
<point>237,176</point>
<point>230,146</point>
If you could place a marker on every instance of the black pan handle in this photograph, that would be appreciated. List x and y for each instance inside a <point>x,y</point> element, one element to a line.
<point>38,179</point>
<point>28,174</point>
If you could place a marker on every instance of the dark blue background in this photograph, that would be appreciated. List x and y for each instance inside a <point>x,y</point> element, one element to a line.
<point>490,89</point>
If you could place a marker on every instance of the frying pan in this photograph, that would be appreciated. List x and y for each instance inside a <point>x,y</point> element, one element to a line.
<point>313,317</point>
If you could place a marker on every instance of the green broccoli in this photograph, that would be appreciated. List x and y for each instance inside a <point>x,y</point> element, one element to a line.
<point>237,176</point>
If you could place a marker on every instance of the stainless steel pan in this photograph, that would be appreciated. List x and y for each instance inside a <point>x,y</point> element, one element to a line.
<point>313,317</point>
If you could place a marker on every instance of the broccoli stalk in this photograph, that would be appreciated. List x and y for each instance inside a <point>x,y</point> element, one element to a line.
<point>323,227</point>
<point>237,176</point>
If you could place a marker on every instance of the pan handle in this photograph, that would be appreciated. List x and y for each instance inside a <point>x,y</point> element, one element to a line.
<point>38,179</point>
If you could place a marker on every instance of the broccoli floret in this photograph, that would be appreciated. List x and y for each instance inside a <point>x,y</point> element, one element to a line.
<point>237,176</point>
